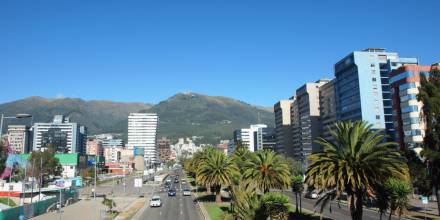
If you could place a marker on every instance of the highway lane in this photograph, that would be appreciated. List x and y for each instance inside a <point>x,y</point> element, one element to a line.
<point>337,213</point>
<point>178,207</point>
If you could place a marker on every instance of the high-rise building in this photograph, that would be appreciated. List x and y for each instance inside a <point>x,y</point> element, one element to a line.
<point>142,131</point>
<point>164,148</point>
<point>362,87</point>
<point>408,114</point>
<point>306,126</point>
<point>19,138</point>
<point>269,138</point>
<point>61,135</point>
<point>94,147</point>
<point>251,138</point>
<point>327,108</point>
<point>283,127</point>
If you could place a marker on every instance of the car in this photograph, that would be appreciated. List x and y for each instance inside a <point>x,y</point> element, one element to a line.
<point>186,192</point>
<point>176,181</point>
<point>172,192</point>
<point>155,201</point>
<point>311,195</point>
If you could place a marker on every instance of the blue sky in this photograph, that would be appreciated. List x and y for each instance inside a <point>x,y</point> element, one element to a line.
<point>255,51</point>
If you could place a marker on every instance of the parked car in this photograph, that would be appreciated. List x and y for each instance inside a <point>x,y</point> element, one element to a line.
<point>187,192</point>
<point>172,192</point>
<point>155,201</point>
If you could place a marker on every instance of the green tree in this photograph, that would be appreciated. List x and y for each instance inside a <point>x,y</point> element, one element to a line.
<point>354,162</point>
<point>246,202</point>
<point>297,188</point>
<point>275,206</point>
<point>267,170</point>
<point>109,203</point>
<point>429,94</point>
<point>3,156</point>
<point>398,191</point>
<point>50,165</point>
<point>216,170</point>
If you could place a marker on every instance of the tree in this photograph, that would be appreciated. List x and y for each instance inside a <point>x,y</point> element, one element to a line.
<point>297,188</point>
<point>109,203</point>
<point>398,191</point>
<point>50,165</point>
<point>267,170</point>
<point>246,202</point>
<point>275,206</point>
<point>429,94</point>
<point>355,160</point>
<point>216,170</point>
<point>3,156</point>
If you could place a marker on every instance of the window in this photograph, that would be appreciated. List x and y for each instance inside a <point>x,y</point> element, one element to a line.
<point>377,117</point>
<point>372,65</point>
<point>407,86</point>
<point>374,79</point>
<point>401,76</point>
<point>411,108</point>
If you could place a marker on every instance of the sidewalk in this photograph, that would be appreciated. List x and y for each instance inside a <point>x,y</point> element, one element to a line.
<point>83,209</point>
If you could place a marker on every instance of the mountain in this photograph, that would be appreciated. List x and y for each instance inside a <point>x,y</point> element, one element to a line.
<point>213,117</point>
<point>98,116</point>
<point>182,115</point>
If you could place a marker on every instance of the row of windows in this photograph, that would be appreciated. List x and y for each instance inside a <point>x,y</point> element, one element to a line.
<point>407,86</point>
<point>411,108</point>
<point>408,97</point>
<point>401,76</point>
<point>414,132</point>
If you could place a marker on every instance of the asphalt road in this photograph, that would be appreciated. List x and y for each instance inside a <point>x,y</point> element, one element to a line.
<point>178,207</point>
<point>337,213</point>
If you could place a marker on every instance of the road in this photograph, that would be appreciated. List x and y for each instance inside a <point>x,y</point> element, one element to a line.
<point>337,213</point>
<point>173,208</point>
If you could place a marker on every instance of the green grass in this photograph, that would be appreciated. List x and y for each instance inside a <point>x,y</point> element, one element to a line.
<point>216,211</point>
<point>4,200</point>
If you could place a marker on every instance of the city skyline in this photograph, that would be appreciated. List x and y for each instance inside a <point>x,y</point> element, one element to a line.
<point>211,49</point>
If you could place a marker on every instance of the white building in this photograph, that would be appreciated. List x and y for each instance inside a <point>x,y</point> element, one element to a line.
<point>185,147</point>
<point>19,138</point>
<point>63,135</point>
<point>250,137</point>
<point>142,134</point>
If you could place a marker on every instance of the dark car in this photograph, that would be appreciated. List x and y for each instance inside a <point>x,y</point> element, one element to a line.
<point>172,192</point>
<point>176,180</point>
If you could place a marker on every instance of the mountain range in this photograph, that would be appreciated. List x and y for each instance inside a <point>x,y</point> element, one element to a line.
<point>182,115</point>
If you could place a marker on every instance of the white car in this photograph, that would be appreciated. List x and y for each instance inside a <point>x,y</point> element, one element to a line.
<point>155,202</point>
<point>186,192</point>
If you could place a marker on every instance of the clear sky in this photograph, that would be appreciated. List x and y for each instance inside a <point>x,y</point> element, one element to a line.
<point>255,51</point>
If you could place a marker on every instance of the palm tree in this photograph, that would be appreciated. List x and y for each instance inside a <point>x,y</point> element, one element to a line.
<point>354,162</point>
<point>267,170</point>
<point>216,170</point>
<point>297,188</point>
<point>246,202</point>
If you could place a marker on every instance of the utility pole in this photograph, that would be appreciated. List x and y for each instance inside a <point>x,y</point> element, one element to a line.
<point>32,187</point>
<point>94,188</point>
<point>40,184</point>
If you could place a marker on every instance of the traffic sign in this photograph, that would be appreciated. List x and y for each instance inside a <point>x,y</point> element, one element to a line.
<point>424,200</point>
<point>138,182</point>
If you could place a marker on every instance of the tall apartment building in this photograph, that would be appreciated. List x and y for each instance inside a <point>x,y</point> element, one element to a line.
<point>60,134</point>
<point>305,117</point>
<point>327,108</point>
<point>362,87</point>
<point>408,114</point>
<point>164,148</point>
<point>142,131</point>
<point>19,138</point>
<point>283,127</point>
<point>251,138</point>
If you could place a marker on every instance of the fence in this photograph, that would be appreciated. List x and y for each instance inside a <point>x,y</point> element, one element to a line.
<point>37,208</point>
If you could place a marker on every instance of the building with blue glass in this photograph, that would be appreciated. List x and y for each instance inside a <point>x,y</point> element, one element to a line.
<point>362,87</point>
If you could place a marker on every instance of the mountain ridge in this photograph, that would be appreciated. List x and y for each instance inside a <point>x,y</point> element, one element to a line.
<point>181,115</point>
